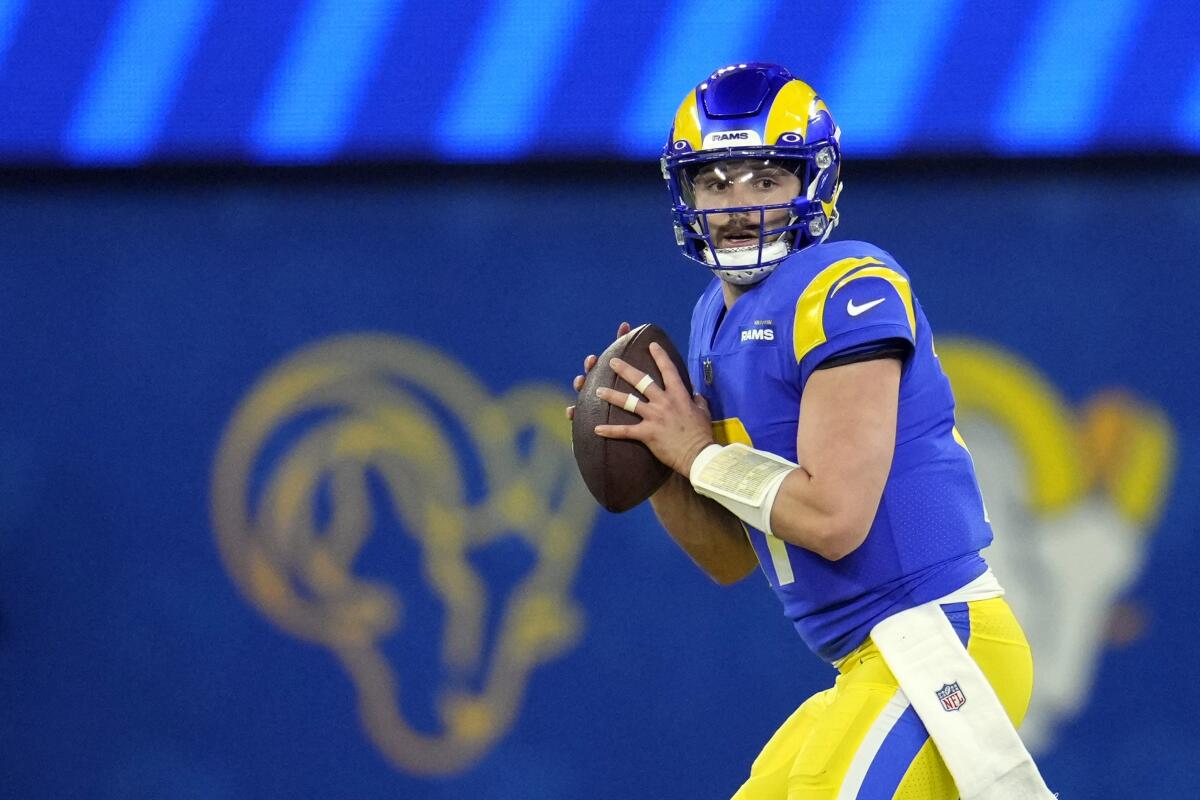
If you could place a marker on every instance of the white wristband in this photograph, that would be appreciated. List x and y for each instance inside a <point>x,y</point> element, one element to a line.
<point>742,479</point>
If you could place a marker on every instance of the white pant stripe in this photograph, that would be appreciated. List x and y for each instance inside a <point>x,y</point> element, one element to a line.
<point>870,745</point>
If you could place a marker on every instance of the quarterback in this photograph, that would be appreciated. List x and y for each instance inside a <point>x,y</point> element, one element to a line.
<point>820,446</point>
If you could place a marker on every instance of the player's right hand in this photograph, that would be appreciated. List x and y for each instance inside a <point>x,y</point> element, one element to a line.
<point>590,362</point>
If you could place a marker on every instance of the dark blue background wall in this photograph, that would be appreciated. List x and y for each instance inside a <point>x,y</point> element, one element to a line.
<point>136,317</point>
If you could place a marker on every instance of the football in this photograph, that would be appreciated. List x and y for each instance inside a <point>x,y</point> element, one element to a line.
<point>620,473</point>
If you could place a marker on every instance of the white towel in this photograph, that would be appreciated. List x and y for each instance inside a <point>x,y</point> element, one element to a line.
<point>960,709</point>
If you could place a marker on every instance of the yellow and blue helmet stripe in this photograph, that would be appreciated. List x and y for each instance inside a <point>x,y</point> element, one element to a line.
<point>755,111</point>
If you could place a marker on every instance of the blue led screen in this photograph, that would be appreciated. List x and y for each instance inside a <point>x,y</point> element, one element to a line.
<point>311,81</point>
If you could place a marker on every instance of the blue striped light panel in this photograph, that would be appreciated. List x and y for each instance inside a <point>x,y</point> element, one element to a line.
<point>102,82</point>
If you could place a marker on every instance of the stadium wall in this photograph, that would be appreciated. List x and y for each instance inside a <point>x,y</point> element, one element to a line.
<point>287,507</point>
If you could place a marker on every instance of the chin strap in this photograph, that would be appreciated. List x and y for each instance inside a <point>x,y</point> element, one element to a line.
<point>748,256</point>
<point>729,260</point>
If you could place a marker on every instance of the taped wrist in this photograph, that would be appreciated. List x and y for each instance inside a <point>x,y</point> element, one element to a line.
<point>742,479</point>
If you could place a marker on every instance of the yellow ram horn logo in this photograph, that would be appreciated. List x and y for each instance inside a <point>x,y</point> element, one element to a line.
<point>1074,493</point>
<point>295,500</point>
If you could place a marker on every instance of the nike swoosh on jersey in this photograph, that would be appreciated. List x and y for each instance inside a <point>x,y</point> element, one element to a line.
<point>854,310</point>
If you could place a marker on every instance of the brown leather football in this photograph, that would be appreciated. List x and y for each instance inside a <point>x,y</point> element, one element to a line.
<point>620,473</point>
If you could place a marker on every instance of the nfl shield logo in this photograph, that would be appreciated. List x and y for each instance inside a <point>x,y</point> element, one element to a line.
<point>951,696</point>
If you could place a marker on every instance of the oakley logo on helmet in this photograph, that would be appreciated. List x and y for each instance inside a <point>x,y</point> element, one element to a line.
<point>732,139</point>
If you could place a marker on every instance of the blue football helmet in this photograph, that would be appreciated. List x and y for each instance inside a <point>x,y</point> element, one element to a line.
<point>737,138</point>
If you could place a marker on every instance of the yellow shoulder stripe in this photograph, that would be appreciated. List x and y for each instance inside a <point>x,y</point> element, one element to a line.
<point>898,282</point>
<point>808,328</point>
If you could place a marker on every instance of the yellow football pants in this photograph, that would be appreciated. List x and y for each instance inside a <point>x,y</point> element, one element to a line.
<point>861,740</point>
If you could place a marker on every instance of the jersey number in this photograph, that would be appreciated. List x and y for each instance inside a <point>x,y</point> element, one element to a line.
<point>729,431</point>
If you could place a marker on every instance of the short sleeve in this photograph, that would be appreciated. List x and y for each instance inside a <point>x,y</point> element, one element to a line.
<point>872,303</point>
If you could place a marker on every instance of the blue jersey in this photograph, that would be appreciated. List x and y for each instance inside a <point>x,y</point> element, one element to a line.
<point>752,363</point>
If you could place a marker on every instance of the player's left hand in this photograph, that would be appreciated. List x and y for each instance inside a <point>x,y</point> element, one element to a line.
<point>675,426</point>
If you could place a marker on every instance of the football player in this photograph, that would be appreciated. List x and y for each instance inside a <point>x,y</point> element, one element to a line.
<point>821,446</point>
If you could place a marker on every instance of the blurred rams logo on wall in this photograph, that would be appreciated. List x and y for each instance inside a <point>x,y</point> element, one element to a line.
<point>356,494</point>
<point>1073,495</point>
